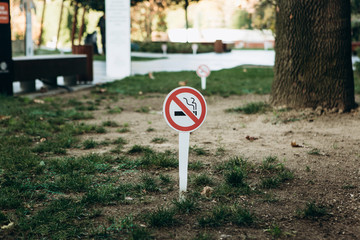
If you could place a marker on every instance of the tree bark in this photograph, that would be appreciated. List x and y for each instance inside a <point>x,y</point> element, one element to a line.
<point>313,55</point>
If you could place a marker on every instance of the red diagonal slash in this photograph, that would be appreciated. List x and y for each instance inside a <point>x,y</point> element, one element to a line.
<point>185,109</point>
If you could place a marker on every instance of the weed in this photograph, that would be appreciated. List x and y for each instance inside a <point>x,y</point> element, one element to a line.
<point>115,110</point>
<point>251,108</point>
<point>218,216</point>
<point>349,186</point>
<point>314,151</point>
<point>236,177</point>
<point>187,206</point>
<point>307,169</point>
<point>235,162</point>
<point>196,166</point>
<point>198,150</point>
<point>202,180</point>
<point>149,183</point>
<point>275,231</point>
<point>313,211</point>
<point>143,109</point>
<point>220,151</point>
<point>138,149</point>
<point>162,217</point>
<point>150,129</point>
<point>270,182</point>
<point>242,217</point>
<point>58,220</point>
<point>89,143</point>
<point>123,130</point>
<point>110,124</point>
<point>127,163</point>
<point>159,140</point>
<point>155,159</point>
<point>120,141</point>
<point>165,179</point>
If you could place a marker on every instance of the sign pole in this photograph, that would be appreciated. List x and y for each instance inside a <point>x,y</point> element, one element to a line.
<point>6,62</point>
<point>184,139</point>
<point>203,83</point>
<point>184,110</point>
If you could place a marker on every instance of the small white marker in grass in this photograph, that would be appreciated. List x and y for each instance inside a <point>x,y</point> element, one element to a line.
<point>203,72</point>
<point>184,110</point>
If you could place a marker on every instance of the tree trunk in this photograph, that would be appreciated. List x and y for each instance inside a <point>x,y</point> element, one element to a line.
<point>60,20</point>
<point>42,23</point>
<point>313,55</point>
<point>74,24</point>
<point>81,31</point>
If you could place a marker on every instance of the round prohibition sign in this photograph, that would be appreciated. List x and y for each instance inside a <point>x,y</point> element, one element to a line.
<point>184,109</point>
<point>203,71</point>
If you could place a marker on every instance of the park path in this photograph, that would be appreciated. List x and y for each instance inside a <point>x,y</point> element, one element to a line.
<point>181,62</point>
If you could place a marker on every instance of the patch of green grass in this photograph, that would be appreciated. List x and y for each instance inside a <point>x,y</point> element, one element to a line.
<point>150,129</point>
<point>198,150</point>
<point>186,206</point>
<point>115,110</point>
<point>110,124</point>
<point>223,214</point>
<point>120,141</point>
<point>224,82</point>
<point>202,180</point>
<point>58,220</point>
<point>252,108</point>
<point>126,225</point>
<point>165,179</point>
<point>236,177</point>
<point>162,217</point>
<point>143,109</point>
<point>313,211</point>
<point>159,160</point>
<point>275,231</point>
<point>90,143</point>
<point>196,166</point>
<point>235,162</point>
<point>219,216</point>
<point>149,183</point>
<point>159,140</point>
<point>138,149</point>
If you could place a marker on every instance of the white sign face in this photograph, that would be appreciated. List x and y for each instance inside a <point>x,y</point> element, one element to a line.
<point>118,45</point>
<point>184,109</point>
<point>203,71</point>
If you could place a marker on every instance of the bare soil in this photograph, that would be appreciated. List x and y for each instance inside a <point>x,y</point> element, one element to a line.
<point>325,163</point>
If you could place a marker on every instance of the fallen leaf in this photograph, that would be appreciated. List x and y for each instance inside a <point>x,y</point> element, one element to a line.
<point>42,139</point>
<point>251,138</point>
<point>102,90</point>
<point>39,101</point>
<point>7,226</point>
<point>295,145</point>
<point>207,191</point>
<point>151,76</point>
<point>182,83</point>
<point>2,118</point>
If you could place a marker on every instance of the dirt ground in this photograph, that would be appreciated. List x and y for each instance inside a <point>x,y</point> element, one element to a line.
<point>325,165</point>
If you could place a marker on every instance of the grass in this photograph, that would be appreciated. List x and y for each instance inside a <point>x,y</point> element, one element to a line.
<point>48,191</point>
<point>223,82</point>
<point>312,210</point>
<point>251,108</point>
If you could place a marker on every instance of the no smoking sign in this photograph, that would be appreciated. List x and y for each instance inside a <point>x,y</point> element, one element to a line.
<point>184,109</point>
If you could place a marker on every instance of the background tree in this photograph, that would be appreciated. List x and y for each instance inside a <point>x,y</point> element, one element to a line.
<point>313,55</point>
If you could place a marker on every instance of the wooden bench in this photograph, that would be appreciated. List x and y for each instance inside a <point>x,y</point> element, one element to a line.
<point>48,68</point>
